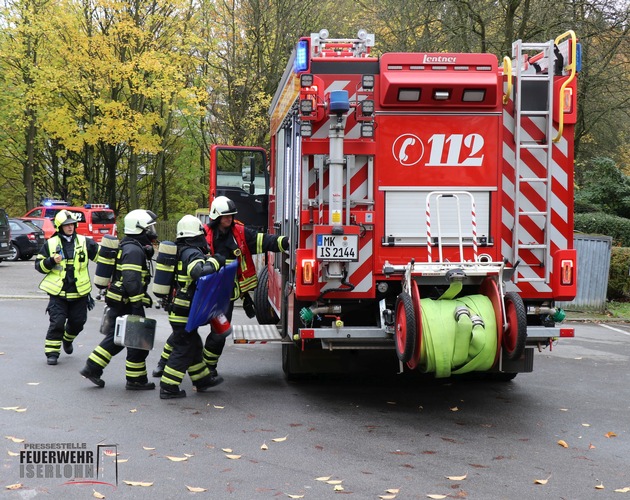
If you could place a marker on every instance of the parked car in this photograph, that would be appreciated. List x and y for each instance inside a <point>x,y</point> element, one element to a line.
<point>43,223</point>
<point>5,236</point>
<point>26,239</point>
<point>94,220</point>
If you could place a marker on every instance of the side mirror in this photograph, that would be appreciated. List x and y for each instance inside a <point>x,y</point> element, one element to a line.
<point>247,169</point>
<point>249,187</point>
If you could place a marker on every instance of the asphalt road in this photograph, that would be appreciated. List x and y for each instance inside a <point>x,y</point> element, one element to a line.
<point>460,438</point>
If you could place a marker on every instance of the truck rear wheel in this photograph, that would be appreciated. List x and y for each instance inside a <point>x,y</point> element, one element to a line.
<point>264,312</point>
<point>405,327</point>
<point>515,333</point>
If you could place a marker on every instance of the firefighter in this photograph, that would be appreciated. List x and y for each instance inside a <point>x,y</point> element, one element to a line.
<point>63,259</point>
<point>127,294</point>
<point>232,240</point>
<point>193,262</point>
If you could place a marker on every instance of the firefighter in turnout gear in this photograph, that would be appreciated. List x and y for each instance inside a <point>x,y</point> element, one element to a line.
<point>193,262</point>
<point>127,294</point>
<point>230,239</point>
<point>63,259</point>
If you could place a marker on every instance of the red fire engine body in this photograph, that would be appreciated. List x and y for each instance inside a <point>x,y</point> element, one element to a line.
<point>429,201</point>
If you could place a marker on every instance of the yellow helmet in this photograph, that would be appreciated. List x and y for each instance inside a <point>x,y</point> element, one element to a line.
<point>63,218</point>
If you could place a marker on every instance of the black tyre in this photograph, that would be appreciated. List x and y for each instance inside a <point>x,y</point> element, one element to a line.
<point>405,336</point>
<point>26,257</point>
<point>515,335</point>
<point>15,253</point>
<point>264,312</point>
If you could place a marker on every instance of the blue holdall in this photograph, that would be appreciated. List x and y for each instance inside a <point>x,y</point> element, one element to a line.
<point>212,296</point>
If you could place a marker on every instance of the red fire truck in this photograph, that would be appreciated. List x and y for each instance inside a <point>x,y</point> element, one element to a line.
<point>429,201</point>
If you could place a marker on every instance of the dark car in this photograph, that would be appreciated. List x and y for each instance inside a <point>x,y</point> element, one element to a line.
<point>5,236</point>
<point>26,239</point>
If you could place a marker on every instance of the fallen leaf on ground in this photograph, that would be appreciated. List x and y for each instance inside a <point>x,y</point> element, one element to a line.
<point>10,408</point>
<point>96,494</point>
<point>12,453</point>
<point>188,455</point>
<point>295,496</point>
<point>227,450</point>
<point>32,383</point>
<point>138,483</point>
<point>457,478</point>
<point>196,489</point>
<point>623,490</point>
<point>176,459</point>
<point>20,410</point>
<point>541,481</point>
<point>392,490</point>
<point>15,486</point>
<point>323,478</point>
<point>15,440</point>
<point>121,460</point>
<point>279,440</point>
<point>338,487</point>
<point>133,410</point>
<point>264,446</point>
<point>610,435</point>
<point>586,425</point>
<point>454,408</point>
<point>233,457</point>
<point>599,486</point>
<point>563,443</point>
<point>147,448</point>
<point>436,497</point>
<point>387,497</point>
<point>335,481</point>
<point>219,407</point>
<point>591,446</point>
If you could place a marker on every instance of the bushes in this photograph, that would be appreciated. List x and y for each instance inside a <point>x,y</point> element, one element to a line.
<point>619,275</point>
<point>600,223</point>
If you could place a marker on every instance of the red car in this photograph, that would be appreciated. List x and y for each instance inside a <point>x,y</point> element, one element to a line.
<point>43,223</point>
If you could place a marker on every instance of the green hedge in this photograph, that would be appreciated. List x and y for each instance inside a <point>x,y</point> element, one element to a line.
<point>600,223</point>
<point>619,275</point>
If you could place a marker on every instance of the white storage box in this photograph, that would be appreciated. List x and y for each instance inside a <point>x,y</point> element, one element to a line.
<point>135,331</point>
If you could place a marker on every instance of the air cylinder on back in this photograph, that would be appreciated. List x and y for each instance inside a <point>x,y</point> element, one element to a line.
<point>106,261</point>
<point>165,263</point>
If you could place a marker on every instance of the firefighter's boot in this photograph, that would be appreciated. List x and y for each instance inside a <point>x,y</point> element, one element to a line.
<point>92,376</point>
<point>51,359</point>
<point>171,392</point>
<point>207,383</point>
<point>67,347</point>
<point>139,386</point>
<point>159,369</point>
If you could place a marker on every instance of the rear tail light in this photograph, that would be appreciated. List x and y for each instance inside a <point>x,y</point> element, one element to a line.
<point>567,332</point>
<point>566,277</point>
<point>31,236</point>
<point>307,272</point>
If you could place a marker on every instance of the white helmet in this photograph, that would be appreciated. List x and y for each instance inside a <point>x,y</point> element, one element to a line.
<point>189,226</point>
<point>222,205</point>
<point>139,220</point>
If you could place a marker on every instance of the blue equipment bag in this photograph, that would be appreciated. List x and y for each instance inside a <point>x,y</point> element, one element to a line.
<point>212,296</point>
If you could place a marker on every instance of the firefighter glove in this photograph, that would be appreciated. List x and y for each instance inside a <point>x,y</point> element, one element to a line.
<point>90,302</point>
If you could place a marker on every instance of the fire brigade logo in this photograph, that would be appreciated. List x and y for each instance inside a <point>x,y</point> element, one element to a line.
<point>408,149</point>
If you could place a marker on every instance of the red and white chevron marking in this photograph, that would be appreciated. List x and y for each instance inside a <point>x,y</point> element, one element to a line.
<point>532,198</point>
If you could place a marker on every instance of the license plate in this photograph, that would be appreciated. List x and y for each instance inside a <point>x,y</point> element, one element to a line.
<point>104,230</point>
<point>3,244</point>
<point>338,247</point>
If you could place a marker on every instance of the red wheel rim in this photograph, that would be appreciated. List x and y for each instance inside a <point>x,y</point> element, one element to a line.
<point>490,289</point>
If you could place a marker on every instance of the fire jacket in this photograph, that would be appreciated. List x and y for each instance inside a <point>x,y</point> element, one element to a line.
<point>241,243</point>
<point>192,263</point>
<point>70,278</point>
<point>130,278</point>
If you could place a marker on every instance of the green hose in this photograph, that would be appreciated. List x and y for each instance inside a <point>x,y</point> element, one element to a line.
<point>453,346</point>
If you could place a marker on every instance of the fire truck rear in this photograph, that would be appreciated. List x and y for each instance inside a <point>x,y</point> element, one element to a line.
<point>429,198</point>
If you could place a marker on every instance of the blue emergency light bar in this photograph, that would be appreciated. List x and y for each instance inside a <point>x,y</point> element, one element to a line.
<point>50,203</point>
<point>339,102</point>
<point>301,56</point>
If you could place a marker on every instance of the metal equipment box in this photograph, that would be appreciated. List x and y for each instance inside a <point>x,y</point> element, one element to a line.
<point>135,331</point>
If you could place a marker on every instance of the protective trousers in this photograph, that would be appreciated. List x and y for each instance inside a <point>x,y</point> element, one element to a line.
<point>67,318</point>
<point>185,357</point>
<point>214,344</point>
<point>99,358</point>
